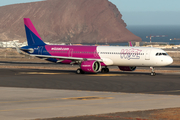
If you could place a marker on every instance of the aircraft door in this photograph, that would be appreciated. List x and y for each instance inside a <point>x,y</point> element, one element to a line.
<point>96,54</point>
<point>147,54</point>
<point>71,52</point>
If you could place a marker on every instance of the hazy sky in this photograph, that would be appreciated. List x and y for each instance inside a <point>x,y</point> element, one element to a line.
<point>139,12</point>
<point>147,5</point>
<point>149,12</point>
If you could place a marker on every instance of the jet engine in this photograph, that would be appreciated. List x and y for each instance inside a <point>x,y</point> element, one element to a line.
<point>90,66</point>
<point>127,68</point>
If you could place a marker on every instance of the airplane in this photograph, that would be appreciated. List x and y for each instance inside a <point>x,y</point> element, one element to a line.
<point>93,59</point>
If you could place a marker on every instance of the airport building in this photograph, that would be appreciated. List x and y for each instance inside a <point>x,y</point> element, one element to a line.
<point>11,44</point>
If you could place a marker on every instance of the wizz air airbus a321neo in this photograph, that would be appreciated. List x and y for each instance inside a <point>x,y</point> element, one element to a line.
<point>94,58</point>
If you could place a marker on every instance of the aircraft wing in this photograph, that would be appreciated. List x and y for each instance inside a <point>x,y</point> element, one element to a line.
<point>65,58</point>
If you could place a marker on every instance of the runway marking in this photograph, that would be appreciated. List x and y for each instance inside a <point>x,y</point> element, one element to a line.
<point>41,73</point>
<point>56,99</point>
<point>94,75</point>
<point>88,98</point>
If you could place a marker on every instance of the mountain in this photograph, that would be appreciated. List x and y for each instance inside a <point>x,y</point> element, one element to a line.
<point>69,21</point>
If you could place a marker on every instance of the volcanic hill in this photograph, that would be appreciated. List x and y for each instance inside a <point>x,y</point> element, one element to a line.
<point>69,21</point>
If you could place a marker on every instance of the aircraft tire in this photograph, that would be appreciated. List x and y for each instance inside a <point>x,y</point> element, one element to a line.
<point>107,70</point>
<point>104,70</point>
<point>79,71</point>
<point>153,73</point>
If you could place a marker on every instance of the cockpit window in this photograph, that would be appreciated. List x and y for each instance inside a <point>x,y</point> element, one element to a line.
<point>159,54</point>
<point>164,53</point>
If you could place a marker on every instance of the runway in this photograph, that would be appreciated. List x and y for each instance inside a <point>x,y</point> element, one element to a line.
<point>129,82</point>
<point>37,93</point>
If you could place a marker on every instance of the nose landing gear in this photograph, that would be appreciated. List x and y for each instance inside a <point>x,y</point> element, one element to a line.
<point>152,71</point>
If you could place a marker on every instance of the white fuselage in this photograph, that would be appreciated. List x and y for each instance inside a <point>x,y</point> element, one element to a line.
<point>133,56</point>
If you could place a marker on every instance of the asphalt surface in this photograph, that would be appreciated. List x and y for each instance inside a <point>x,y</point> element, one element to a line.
<point>129,82</point>
<point>39,93</point>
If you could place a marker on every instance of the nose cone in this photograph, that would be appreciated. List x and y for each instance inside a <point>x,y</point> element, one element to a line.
<point>169,61</point>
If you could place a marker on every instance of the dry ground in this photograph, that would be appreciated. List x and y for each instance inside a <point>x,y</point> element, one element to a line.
<point>162,114</point>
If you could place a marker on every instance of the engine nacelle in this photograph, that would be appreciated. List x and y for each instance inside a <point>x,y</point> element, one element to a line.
<point>127,68</point>
<point>91,66</point>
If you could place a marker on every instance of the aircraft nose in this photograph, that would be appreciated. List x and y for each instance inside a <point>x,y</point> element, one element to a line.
<point>169,61</point>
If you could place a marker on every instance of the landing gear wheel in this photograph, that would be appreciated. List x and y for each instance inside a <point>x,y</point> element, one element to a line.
<point>153,73</point>
<point>107,70</point>
<point>104,70</point>
<point>79,71</point>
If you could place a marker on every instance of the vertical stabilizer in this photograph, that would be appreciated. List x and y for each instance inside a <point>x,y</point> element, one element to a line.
<point>33,38</point>
<point>130,44</point>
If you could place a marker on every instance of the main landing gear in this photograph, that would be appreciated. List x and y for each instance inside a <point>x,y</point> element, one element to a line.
<point>80,71</point>
<point>105,70</point>
<point>152,71</point>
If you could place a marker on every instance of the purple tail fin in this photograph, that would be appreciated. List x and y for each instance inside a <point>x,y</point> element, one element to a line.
<point>33,38</point>
<point>130,44</point>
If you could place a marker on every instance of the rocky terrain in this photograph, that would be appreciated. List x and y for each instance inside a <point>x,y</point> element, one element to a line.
<point>69,21</point>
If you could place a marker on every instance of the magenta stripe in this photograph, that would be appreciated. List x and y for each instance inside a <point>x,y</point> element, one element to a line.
<point>29,24</point>
<point>73,51</point>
